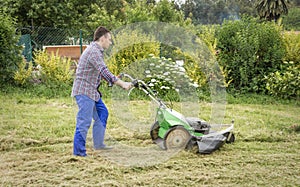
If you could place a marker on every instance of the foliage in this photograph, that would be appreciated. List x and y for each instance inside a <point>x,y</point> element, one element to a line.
<point>78,14</point>
<point>249,51</point>
<point>24,74</point>
<point>272,10</point>
<point>207,33</point>
<point>292,44</point>
<point>108,20</point>
<point>138,11</point>
<point>167,77</point>
<point>10,53</point>
<point>51,77</point>
<point>128,51</point>
<point>166,12</point>
<point>243,44</point>
<point>215,12</point>
<point>285,84</point>
<point>291,21</point>
<point>54,69</point>
<point>55,13</point>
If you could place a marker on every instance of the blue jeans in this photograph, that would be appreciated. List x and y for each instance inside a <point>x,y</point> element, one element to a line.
<point>88,109</point>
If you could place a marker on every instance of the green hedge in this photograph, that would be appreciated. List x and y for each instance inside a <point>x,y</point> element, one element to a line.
<point>249,51</point>
<point>10,53</point>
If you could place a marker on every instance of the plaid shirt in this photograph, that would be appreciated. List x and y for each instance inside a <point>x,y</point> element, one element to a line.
<point>91,69</point>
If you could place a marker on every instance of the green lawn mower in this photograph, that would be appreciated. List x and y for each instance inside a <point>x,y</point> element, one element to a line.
<point>172,130</point>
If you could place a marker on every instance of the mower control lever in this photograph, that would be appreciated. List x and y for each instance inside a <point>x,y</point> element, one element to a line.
<point>135,83</point>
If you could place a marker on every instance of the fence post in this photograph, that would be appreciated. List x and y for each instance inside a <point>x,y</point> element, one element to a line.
<point>80,40</point>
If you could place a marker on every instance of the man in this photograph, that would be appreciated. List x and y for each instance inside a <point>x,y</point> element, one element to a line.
<point>90,72</point>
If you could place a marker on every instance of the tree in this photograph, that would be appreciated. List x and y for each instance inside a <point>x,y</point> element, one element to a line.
<point>201,11</point>
<point>139,11</point>
<point>55,13</point>
<point>271,9</point>
<point>292,20</point>
<point>10,53</point>
<point>165,11</point>
<point>216,11</point>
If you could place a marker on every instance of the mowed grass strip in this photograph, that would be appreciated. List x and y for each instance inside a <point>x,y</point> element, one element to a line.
<point>37,133</point>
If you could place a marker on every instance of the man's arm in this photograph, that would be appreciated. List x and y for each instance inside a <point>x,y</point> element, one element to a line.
<point>124,85</point>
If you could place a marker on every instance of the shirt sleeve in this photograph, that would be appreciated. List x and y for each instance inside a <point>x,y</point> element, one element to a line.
<point>107,75</point>
<point>98,63</point>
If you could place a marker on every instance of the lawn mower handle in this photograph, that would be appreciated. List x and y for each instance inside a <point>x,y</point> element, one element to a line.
<point>142,86</point>
<point>133,81</point>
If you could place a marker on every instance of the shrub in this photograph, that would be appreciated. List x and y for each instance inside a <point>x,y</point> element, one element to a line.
<point>24,74</point>
<point>130,47</point>
<point>249,51</point>
<point>10,53</point>
<point>292,44</point>
<point>207,34</point>
<point>166,78</point>
<point>52,77</point>
<point>285,84</point>
<point>54,69</point>
<point>291,20</point>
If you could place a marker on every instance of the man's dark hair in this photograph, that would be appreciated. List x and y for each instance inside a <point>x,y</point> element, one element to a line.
<point>100,31</point>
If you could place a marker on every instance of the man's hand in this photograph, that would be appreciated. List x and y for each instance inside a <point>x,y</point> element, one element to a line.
<point>127,85</point>
<point>124,85</point>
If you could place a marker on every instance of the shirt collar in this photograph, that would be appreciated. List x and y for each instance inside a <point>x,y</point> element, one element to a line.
<point>97,46</point>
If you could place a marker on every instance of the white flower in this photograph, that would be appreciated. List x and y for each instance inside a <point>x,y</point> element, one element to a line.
<point>153,80</point>
<point>181,69</point>
<point>152,64</point>
<point>194,84</point>
<point>151,85</point>
<point>180,62</point>
<point>147,71</point>
<point>166,73</point>
<point>148,76</point>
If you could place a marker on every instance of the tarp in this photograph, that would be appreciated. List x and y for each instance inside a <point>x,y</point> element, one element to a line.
<point>25,41</point>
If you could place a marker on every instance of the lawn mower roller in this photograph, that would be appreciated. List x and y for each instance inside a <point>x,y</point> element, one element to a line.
<point>172,130</point>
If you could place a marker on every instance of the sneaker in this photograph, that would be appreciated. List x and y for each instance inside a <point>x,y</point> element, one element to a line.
<point>105,148</point>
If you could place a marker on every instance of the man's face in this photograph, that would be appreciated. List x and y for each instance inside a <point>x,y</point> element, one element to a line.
<point>106,41</point>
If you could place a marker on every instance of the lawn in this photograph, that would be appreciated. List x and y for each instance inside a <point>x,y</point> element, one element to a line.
<point>37,133</point>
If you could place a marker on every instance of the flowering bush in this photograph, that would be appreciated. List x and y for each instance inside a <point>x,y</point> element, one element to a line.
<point>168,79</point>
<point>24,74</point>
<point>52,76</point>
